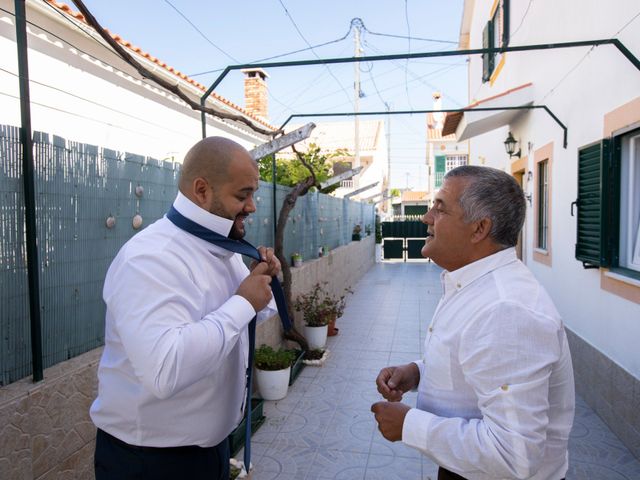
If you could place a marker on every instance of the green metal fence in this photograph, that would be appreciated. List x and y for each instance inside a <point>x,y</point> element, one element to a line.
<point>78,187</point>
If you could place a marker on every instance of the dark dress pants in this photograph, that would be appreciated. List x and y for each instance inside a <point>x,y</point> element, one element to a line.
<point>444,474</point>
<point>117,460</point>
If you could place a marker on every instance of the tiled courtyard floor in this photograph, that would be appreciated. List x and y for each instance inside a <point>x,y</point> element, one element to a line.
<point>324,429</point>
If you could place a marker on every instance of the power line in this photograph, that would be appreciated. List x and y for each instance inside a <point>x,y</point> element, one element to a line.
<point>337,40</point>
<point>314,53</point>
<point>200,31</point>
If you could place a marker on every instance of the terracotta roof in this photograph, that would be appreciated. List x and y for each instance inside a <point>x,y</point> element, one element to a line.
<point>410,196</point>
<point>78,16</point>
<point>434,133</point>
<point>452,121</point>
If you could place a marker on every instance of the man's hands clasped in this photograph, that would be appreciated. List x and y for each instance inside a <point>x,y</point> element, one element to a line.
<point>392,383</point>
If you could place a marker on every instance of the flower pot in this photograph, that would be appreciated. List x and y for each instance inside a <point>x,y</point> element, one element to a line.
<point>273,384</point>
<point>316,336</point>
<point>296,261</point>
<point>332,331</point>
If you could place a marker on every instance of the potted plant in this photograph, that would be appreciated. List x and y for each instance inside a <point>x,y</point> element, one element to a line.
<point>296,259</point>
<point>356,233</point>
<point>316,357</point>
<point>319,308</point>
<point>273,368</point>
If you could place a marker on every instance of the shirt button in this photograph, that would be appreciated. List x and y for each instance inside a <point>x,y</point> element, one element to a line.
<point>505,387</point>
<point>458,285</point>
<point>431,329</point>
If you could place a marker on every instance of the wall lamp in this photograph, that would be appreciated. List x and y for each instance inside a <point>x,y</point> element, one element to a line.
<point>510,145</point>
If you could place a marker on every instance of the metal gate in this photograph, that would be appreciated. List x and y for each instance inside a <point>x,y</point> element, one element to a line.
<point>403,240</point>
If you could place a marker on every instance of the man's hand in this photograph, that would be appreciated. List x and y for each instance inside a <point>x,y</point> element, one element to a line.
<point>256,287</point>
<point>392,382</point>
<point>270,259</point>
<point>390,418</point>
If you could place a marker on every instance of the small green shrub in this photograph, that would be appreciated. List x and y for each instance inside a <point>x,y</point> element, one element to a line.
<point>266,358</point>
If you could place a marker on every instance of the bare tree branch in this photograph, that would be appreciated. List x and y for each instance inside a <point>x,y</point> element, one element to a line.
<point>127,57</point>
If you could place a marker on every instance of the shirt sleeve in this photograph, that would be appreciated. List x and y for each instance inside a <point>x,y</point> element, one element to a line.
<point>153,305</point>
<point>506,356</point>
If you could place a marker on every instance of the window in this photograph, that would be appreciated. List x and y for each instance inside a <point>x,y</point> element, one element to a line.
<point>609,203</point>
<point>543,204</point>
<point>495,35</point>
<point>629,244</point>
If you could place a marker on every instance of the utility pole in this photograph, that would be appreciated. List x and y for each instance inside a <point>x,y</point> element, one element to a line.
<point>357,24</point>
<point>388,193</point>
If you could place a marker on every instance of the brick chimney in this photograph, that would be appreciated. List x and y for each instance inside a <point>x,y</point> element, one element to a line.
<point>255,92</point>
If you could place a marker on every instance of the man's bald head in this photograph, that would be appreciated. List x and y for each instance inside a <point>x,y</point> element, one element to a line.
<point>210,159</point>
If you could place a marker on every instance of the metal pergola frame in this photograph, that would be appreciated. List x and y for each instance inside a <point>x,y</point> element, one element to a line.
<point>405,56</point>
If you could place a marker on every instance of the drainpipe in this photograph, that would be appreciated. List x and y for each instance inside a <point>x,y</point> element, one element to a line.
<point>29,191</point>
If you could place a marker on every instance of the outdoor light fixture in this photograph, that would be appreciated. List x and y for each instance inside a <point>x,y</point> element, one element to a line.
<point>510,145</point>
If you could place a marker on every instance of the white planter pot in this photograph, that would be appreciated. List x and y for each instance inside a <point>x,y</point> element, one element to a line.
<point>273,384</point>
<point>316,336</point>
<point>378,252</point>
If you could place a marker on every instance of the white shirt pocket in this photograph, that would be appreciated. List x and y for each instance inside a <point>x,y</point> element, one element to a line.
<point>437,362</point>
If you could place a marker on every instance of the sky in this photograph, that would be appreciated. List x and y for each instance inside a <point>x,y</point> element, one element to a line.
<point>200,38</point>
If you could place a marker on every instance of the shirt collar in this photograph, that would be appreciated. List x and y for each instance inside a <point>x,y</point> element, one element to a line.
<point>462,277</point>
<point>206,219</point>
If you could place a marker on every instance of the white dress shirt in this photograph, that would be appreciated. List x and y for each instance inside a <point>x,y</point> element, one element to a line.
<point>496,394</point>
<point>176,342</point>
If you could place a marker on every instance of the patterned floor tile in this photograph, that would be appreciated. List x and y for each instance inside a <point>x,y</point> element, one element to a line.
<point>324,428</point>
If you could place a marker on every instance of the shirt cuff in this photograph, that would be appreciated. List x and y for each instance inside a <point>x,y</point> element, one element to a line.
<point>415,429</point>
<point>240,309</point>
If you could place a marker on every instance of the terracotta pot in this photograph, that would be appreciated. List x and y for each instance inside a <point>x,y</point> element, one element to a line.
<point>332,331</point>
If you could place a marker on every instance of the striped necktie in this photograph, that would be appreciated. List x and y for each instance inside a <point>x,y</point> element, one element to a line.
<point>244,248</point>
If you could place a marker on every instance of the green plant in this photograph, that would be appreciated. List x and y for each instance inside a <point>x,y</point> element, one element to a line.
<point>378,230</point>
<point>266,358</point>
<point>315,354</point>
<point>319,306</point>
<point>296,256</point>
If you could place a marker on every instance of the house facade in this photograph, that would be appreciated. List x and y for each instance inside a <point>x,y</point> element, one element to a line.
<point>577,157</point>
<point>444,152</point>
<point>372,156</point>
<point>82,90</point>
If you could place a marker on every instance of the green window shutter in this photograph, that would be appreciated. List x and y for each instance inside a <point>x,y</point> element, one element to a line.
<point>441,163</point>
<point>487,58</point>
<point>593,204</point>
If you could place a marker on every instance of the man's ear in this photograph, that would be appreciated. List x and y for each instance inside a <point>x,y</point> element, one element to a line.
<point>482,230</point>
<point>201,191</point>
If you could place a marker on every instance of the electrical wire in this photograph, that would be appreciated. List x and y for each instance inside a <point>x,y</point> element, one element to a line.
<point>406,62</point>
<point>337,40</point>
<point>200,31</point>
<point>314,53</point>
<point>102,105</point>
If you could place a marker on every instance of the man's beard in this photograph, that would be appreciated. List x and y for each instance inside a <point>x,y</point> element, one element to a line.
<point>237,233</point>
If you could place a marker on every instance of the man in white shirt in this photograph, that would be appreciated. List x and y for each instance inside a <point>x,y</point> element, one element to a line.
<point>172,374</point>
<point>495,384</point>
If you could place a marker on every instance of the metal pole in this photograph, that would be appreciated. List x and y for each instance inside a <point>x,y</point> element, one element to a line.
<point>356,22</point>
<point>275,207</point>
<point>29,191</point>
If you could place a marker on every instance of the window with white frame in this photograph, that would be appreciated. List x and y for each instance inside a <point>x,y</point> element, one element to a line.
<point>608,224</point>
<point>543,205</point>
<point>629,247</point>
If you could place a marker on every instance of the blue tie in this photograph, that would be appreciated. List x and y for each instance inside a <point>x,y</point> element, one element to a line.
<point>244,248</point>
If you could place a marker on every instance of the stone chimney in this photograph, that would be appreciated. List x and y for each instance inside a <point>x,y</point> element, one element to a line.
<point>255,92</point>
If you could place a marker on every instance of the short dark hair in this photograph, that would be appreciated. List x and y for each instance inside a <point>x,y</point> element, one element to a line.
<point>493,194</point>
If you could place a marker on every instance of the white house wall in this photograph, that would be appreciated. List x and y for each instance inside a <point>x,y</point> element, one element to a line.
<point>83,99</point>
<point>580,91</point>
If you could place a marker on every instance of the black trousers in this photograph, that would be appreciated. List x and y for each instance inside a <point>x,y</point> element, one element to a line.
<point>117,460</point>
<point>444,474</point>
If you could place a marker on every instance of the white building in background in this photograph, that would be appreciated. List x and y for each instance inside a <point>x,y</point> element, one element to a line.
<point>374,159</point>
<point>444,152</point>
<point>83,91</point>
<point>582,231</point>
